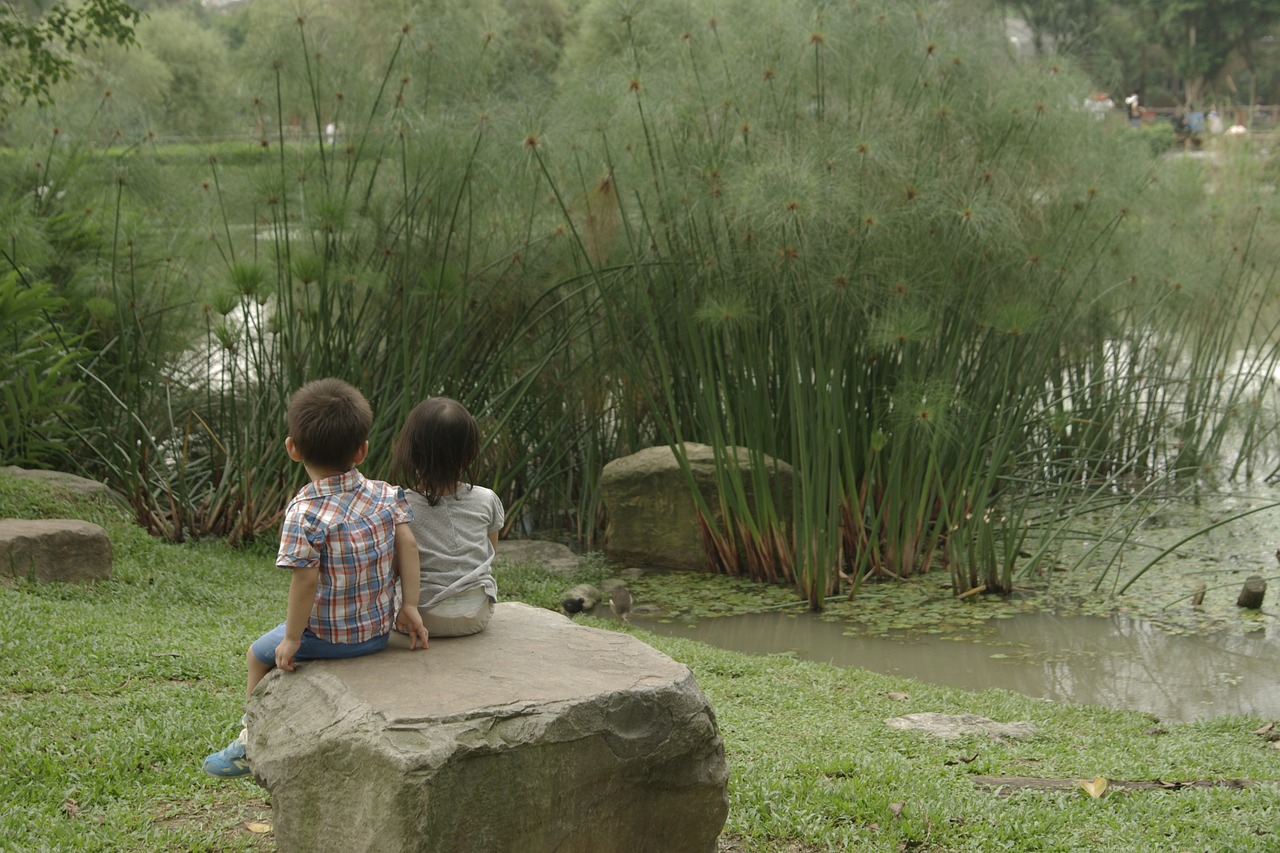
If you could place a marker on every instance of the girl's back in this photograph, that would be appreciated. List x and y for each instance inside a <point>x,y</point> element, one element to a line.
<point>455,548</point>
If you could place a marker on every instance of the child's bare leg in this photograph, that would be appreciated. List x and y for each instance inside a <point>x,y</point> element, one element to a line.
<point>257,671</point>
<point>232,761</point>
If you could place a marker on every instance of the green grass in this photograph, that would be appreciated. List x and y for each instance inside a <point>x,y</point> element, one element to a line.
<point>112,694</point>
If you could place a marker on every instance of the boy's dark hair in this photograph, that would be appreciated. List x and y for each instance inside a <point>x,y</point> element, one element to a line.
<point>328,421</point>
<point>435,448</point>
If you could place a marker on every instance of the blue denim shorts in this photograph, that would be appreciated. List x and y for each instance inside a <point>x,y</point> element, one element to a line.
<point>313,648</point>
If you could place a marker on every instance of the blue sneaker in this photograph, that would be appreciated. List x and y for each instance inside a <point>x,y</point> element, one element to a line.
<point>230,761</point>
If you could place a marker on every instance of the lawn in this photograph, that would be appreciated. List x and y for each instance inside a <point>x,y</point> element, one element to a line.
<point>114,693</point>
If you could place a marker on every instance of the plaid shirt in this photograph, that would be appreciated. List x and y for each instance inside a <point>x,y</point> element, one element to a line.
<point>345,525</point>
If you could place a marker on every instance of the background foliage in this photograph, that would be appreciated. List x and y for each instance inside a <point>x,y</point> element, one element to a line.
<point>875,241</point>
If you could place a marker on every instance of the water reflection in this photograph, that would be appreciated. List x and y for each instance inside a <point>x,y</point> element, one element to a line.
<point>1117,662</point>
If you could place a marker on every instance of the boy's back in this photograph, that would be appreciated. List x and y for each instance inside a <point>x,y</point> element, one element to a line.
<point>346,524</point>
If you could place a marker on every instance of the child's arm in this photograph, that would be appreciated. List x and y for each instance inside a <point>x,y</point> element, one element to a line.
<point>409,619</point>
<point>302,597</point>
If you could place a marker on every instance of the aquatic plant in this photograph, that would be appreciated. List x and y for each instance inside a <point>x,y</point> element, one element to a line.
<point>866,241</point>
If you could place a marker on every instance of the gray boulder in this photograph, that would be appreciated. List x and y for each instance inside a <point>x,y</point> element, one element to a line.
<point>535,735</point>
<point>54,549</point>
<point>553,556</point>
<point>652,515</point>
<point>69,484</point>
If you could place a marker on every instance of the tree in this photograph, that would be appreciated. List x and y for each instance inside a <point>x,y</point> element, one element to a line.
<point>199,95</point>
<point>1060,25</point>
<point>1202,35</point>
<point>36,49</point>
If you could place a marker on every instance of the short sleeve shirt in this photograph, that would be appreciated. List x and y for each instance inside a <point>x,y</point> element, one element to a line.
<point>345,525</point>
<point>454,551</point>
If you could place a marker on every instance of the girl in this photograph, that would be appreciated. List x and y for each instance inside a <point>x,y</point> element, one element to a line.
<point>455,523</point>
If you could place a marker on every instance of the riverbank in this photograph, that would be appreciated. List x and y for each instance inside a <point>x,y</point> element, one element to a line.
<point>114,693</point>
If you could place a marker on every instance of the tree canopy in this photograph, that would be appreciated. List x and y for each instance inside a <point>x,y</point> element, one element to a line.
<point>37,50</point>
<point>1190,49</point>
<point>1202,35</point>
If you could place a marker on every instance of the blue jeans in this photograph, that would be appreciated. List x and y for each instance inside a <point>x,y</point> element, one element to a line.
<point>313,648</point>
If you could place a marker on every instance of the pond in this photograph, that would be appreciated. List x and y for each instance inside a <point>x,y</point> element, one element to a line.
<point>1116,661</point>
<point>1092,628</point>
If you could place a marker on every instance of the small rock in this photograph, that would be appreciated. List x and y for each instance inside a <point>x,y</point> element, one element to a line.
<point>54,549</point>
<point>960,725</point>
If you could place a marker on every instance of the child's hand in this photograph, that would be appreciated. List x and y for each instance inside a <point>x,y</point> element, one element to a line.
<point>409,621</point>
<point>285,652</point>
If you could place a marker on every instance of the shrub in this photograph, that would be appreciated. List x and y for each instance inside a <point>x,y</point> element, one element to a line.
<point>38,386</point>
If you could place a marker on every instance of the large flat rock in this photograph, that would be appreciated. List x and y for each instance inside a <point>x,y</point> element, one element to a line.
<point>536,735</point>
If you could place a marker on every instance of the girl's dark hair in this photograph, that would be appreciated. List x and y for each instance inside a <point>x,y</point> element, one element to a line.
<point>435,448</point>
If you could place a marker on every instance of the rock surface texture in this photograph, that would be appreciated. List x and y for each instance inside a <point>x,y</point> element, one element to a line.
<point>535,735</point>
<point>652,515</point>
<point>54,549</point>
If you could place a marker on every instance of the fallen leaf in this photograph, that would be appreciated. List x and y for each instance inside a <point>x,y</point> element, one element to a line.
<point>71,807</point>
<point>1265,729</point>
<point>896,808</point>
<point>1156,730</point>
<point>950,762</point>
<point>1095,788</point>
<point>258,827</point>
<point>898,696</point>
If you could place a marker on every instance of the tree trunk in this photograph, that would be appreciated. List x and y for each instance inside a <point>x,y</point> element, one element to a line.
<point>1193,92</point>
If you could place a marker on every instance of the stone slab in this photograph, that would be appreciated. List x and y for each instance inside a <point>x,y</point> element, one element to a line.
<point>54,549</point>
<point>961,725</point>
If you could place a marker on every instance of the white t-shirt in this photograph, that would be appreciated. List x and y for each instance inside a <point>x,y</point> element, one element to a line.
<point>454,551</point>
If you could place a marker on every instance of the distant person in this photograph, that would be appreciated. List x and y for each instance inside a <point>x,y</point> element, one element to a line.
<point>455,523</point>
<point>1214,122</point>
<point>344,539</point>
<point>1134,106</point>
<point>331,133</point>
<point>1099,104</point>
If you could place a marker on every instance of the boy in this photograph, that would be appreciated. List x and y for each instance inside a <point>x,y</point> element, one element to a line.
<point>346,539</point>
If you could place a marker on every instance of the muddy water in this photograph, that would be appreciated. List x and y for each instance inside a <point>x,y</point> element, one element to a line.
<point>1117,662</point>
